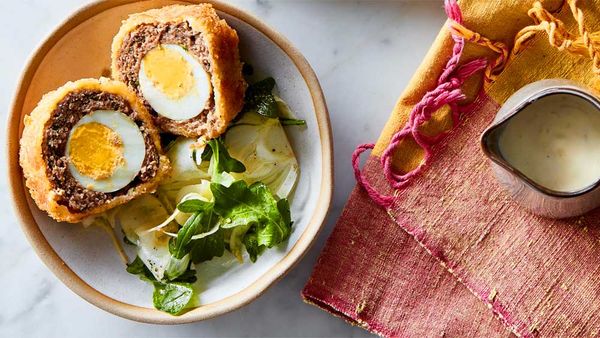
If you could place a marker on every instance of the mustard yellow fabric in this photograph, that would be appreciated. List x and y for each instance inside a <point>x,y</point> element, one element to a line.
<point>498,20</point>
<point>539,60</point>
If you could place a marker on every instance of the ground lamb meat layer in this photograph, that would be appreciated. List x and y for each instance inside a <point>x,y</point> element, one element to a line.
<point>68,112</point>
<point>147,36</point>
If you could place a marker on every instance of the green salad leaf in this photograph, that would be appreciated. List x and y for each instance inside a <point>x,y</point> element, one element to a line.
<point>137,267</point>
<point>203,219</point>
<point>221,162</point>
<point>283,205</point>
<point>184,236</point>
<point>240,204</point>
<point>172,298</point>
<point>194,205</point>
<point>204,249</point>
<point>270,234</point>
<point>259,97</point>
<point>251,244</point>
<point>207,248</point>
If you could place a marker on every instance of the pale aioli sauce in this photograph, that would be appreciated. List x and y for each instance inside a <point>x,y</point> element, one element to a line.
<point>555,141</point>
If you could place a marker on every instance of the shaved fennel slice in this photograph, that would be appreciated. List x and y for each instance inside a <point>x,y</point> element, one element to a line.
<point>262,145</point>
<point>184,155</point>
<point>152,246</point>
<point>140,214</point>
<point>165,222</point>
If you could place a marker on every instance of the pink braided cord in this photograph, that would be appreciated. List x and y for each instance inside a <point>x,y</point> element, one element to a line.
<point>447,92</point>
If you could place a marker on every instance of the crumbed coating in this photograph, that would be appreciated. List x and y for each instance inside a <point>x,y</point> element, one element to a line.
<point>226,69</point>
<point>35,167</point>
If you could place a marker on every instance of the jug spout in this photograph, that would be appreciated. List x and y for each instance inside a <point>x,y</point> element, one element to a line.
<point>490,141</point>
<point>537,143</point>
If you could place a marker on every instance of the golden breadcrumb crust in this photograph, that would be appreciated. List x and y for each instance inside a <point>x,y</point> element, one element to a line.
<point>223,54</point>
<point>35,168</point>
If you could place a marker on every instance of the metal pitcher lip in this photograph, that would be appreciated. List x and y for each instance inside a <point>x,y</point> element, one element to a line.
<point>516,104</point>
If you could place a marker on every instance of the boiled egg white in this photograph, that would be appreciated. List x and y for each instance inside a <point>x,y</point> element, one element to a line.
<point>174,82</point>
<point>105,151</point>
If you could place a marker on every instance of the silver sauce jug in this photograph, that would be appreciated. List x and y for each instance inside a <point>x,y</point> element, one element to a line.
<point>529,194</point>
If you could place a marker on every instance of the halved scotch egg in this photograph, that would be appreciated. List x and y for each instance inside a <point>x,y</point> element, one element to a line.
<point>89,146</point>
<point>184,63</point>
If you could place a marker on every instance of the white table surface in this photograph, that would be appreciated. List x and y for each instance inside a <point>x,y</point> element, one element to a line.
<point>364,53</point>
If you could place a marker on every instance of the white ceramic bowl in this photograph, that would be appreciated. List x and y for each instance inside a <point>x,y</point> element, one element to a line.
<point>84,259</point>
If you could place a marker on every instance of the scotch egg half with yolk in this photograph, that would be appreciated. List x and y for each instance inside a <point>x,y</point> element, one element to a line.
<point>174,82</point>
<point>105,151</point>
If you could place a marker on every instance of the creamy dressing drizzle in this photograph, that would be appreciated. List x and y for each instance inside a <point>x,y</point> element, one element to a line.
<point>555,141</point>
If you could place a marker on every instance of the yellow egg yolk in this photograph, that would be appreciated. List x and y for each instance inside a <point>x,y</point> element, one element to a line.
<point>169,72</point>
<point>95,150</point>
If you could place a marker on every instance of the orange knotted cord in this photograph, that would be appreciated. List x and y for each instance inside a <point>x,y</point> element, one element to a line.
<point>495,67</point>
<point>583,43</point>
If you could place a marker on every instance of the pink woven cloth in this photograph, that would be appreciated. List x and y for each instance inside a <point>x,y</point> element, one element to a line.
<point>375,275</point>
<point>538,275</point>
<point>461,258</point>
